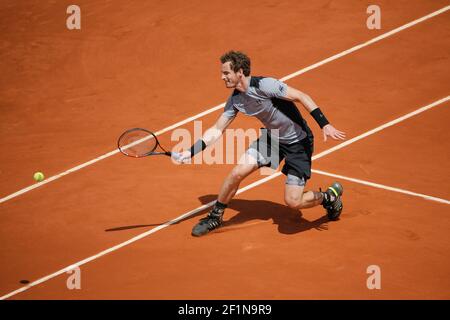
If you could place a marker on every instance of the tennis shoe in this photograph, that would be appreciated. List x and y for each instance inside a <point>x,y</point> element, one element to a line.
<point>212,221</point>
<point>333,201</point>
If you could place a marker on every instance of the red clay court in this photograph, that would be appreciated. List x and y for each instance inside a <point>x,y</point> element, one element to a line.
<point>66,95</point>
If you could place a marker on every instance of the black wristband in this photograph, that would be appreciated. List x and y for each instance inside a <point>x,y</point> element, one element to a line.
<point>197,147</point>
<point>319,117</point>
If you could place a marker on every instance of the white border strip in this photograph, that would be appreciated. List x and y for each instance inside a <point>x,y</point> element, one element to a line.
<point>220,106</point>
<point>367,43</point>
<point>384,126</point>
<point>104,252</point>
<point>205,206</point>
<point>381,186</point>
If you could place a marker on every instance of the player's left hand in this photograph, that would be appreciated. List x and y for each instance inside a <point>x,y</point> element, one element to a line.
<point>183,157</point>
<point>331,131</point>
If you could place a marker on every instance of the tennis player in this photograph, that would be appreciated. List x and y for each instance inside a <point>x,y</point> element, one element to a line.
<point>272,102</point>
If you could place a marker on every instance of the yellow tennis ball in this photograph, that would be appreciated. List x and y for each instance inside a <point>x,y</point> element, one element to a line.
<point>38,176</point>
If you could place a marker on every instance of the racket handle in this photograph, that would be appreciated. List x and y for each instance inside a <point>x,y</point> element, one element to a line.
<point>175,155</point>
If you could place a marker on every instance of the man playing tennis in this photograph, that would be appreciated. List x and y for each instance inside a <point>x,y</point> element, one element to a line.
<point>272,102</point>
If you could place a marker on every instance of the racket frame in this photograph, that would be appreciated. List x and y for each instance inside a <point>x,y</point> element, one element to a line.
<point>123,149</point>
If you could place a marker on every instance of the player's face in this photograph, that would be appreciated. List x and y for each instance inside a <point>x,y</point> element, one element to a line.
<point>230,77</point>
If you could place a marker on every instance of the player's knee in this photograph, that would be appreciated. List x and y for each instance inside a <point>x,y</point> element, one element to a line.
<point>237,174</point>
<point>293,201</point>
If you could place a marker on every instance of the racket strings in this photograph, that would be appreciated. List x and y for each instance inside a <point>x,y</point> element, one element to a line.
<point>137,143</point>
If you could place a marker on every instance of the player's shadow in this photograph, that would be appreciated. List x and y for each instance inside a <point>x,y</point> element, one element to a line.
<point>289,221</point>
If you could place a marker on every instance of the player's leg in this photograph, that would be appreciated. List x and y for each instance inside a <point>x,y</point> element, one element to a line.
<point>232,181</point>
<point>247,165</point>
<point>296,198</point>
<point>257,155</point>
<point>298,170</point>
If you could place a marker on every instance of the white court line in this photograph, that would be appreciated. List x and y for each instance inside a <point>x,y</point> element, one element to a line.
<point>220,106</point>
<point>384,126</point>
<point>381,186</point>
<point>104,252</point>
<point>367,43</point>
<point>205,206</point>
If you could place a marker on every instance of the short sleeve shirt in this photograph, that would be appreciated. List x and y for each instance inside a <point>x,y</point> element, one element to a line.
<point>264,100</point>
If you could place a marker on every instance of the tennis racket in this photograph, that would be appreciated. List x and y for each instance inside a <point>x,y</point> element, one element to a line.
<point>138,143</point>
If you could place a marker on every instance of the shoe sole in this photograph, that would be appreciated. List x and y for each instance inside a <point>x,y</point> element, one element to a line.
<point>200,234</point>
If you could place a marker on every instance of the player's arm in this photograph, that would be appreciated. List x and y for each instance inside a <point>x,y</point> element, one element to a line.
<point>295,95</point>
<point>213,134</point>
<point>308,103</point>
<point>209,138</point>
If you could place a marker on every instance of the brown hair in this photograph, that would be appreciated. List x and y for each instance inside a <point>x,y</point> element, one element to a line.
<point>238,60</point>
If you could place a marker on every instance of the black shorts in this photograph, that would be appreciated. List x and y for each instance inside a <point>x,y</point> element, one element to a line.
<point>297,155</point>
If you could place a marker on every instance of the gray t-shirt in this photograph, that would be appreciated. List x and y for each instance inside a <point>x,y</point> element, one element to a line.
<point>264,100</point>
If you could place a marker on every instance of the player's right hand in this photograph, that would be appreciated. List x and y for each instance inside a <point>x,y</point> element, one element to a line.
<point>183,157</point>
